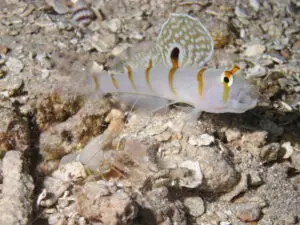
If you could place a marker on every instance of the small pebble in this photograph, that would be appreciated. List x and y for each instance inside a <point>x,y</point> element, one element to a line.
<point>119,49</point>
<point>195,206</point>
<point>102,42</point>
<point>295,158</point>
<point>288,149</point>
<point>241,12</point>
<point>297,88</point>
<point>296,46</point>
<point>15,65</point>
<point>203,140</point>
<point>136,35</point>
<point>254,50</point>
<point>248,212</point>
<point>270,152</point>
<point>113,25</point>
<point>255,178</point>
<point>285,53</point>
<point>225,223</point>
<point>254,4</point>
<point>3,49</point>
<point>256,71</point>
<point>73,171</point>
<point>294,8</point>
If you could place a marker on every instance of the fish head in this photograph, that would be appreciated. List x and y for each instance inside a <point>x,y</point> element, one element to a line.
<point>235,95</point>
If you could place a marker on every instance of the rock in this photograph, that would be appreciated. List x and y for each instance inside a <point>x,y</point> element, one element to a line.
<point>14,131</point>
<point>119,49</point>
<point>248,212</point>
<point>162,210</point>
<point>256,71</point>
<point>254,4</point>
<point>58,6</point>
<point>12,87</point>
<point>209,218</point>
<point>56,108</point>
<point>53,189</point>
<point>202,140</point>
<point>15,65</point>
<point>241,12</point>
<point>296,46</point>
<point>286,54</point>
<point>254,178</point>
<point>44,60</point>
<point>252,142</point>
<point>219,31</point>
<point>195,206</point>
<point>3,49</point>
<point>254,50</point>
<point>241,187</point>
<point>113,25</point>
<point>270,152</point>
<point>232,134</point>
<point>70,172</point>
<point>288,149</point>
<point>75,132</point>
<point>295,158</point>
<point>294,8</point>
<point>136,35</point>
<point>57,219</point>
<point>96,202</point>
<point>195,177</point>
<point>271,127</point>
<point>225,223</point>
<point>219,175</point>
<point>276,57</point>
<point>98,155</point>
<point>102,42</point>
<point>297,88</point>
<point>17,190</point>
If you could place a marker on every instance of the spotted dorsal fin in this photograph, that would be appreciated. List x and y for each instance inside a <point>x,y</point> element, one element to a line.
<point>138,56</point>
<point>182,34</point>
<point>189,36</point>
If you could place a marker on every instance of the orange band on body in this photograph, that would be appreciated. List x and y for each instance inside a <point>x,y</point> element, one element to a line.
<point>171,75</point>
<point>114,81</point>
<point>200,81</point>
<point>148,75</point>
<point>129,72</point>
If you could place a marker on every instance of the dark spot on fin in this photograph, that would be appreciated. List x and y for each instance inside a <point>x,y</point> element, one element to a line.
<point>175,57</point>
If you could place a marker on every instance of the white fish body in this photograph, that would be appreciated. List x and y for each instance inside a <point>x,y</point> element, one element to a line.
<point>201,88</point>
<point>171,69</point>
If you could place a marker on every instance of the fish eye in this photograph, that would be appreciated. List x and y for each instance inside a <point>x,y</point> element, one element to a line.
<point>227,79</point>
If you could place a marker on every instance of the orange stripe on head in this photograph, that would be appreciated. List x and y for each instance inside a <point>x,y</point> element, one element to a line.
<point>200,81</point>
<point>148,75</point>
<point>234,69</point>
<point>227,80</point>
<point>129,72</point>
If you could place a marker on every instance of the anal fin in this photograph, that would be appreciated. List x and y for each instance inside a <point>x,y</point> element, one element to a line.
<point>146,104</point>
